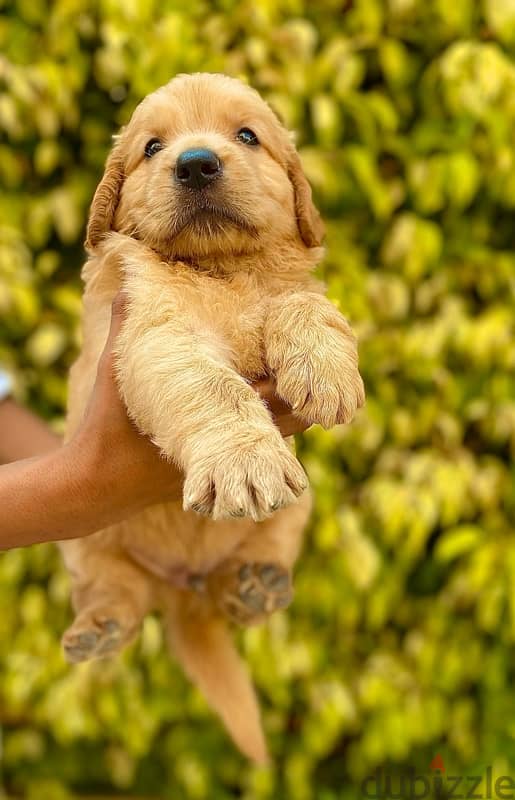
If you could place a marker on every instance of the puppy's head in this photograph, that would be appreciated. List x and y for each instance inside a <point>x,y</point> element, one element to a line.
<point>204,167</point>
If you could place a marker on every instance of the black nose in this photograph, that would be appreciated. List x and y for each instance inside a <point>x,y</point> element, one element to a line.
<point>197,168</point>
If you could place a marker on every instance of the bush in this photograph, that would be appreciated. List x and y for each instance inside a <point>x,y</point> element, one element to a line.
<point>399,644</point>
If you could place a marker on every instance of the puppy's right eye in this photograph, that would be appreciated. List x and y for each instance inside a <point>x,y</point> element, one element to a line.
<point>152,147</point>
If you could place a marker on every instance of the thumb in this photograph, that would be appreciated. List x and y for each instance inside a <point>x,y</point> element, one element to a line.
<point>118,314</point>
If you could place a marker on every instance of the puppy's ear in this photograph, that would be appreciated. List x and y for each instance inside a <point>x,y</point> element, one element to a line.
<point>105,200</point>
<point>310,225</point>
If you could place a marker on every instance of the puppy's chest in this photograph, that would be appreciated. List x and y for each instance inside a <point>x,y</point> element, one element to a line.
<point>237,318</point>
<point>242,331</point>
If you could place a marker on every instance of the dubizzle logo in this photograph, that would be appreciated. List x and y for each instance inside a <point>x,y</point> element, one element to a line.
<point>437,783</point>
<point>437,763</point>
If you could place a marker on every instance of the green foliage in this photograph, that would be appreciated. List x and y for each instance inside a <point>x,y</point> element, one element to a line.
<point>400,641</point>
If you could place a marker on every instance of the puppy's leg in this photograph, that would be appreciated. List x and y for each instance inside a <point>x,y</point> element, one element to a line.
<point>111,595</point>
<point>181,389</point>
<point>257,579</point>
<point>313,353</point>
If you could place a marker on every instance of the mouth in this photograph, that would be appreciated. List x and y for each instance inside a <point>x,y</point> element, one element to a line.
<point>207,219</point>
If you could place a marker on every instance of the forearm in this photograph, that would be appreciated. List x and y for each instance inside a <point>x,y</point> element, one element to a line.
<point>303,316</point>
<point>312,352</point>
<point>203,396</point>
<point>41,499</point>
<point>64,494</point>
<point>23,435</point>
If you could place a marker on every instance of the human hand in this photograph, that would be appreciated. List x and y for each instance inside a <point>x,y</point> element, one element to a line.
<point>107,472</point>
<point>123,463</point>
<point>284,418</point>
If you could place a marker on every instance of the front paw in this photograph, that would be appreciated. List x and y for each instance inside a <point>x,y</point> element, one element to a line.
<point>322,384</point>
<point>244,479</point>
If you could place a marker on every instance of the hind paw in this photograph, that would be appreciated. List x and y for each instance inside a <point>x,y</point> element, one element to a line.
<point>251,591</point>
<point>93,637</point>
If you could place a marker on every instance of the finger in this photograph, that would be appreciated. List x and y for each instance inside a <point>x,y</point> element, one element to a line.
<point>289,424</point>
<point>278,407</point>
<point>266,388</point>
<point>118,313</point>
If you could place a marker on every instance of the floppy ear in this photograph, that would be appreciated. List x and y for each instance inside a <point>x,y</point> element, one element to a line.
<point>105,200</point>
<point>311,227</point>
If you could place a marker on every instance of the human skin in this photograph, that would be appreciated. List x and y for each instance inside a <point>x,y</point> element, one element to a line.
<point>22,434</point>
<point>107,472</point>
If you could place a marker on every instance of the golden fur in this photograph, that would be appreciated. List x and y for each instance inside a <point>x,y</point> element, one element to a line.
<point>220,292</point>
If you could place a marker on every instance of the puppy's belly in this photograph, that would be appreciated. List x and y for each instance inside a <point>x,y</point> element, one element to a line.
<point>171,543</point>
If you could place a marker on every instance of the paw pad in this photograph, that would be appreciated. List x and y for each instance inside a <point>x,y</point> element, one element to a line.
<point>101,639</point>
<point>258,590</point>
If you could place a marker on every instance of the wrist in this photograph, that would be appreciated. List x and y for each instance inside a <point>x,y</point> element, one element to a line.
<point>91,472</point>
<point>80,469</point>
<point>104,477</point>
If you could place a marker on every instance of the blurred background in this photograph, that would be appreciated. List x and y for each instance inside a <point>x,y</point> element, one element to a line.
<point>400,642</point>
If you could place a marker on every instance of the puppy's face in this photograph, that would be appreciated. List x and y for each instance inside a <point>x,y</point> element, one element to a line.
<point>205,168</point>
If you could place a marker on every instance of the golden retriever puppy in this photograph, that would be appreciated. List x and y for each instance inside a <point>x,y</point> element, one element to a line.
<point>205,218</point>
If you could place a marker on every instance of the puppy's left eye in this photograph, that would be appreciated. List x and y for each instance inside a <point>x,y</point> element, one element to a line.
<point>247,136</point>
<point>152,147</point>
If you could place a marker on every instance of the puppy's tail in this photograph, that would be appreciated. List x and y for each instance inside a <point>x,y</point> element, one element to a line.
<point>203,646</point>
